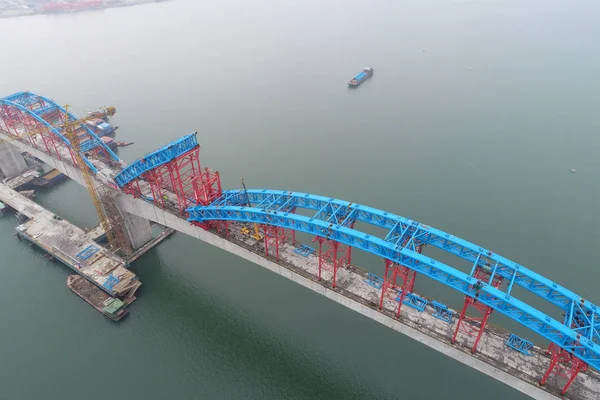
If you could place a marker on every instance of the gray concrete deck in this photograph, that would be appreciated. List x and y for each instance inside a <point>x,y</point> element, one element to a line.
<point>351,283</point>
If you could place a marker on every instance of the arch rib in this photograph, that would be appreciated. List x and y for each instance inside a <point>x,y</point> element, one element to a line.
<point>269,208</point>
<point>157,158</point>
<point>49,126</point>
<point>95,137</point>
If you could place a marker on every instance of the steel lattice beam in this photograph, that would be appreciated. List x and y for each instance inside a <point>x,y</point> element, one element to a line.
<point>23,101</point>
<point>584,346</point>
<point>399,227</point>
<point>157,158</point>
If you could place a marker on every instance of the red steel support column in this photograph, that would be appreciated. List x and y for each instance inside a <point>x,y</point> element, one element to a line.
<point>561,356</point>
<point>265,238</point>
<point>392,272</point>
<point>320,257</point>
<point>408,283</point>
<point>389,280</point>
<point>337,254</point>
<point>335,263</point>
<point>479,323</point>
<point>275,235</point>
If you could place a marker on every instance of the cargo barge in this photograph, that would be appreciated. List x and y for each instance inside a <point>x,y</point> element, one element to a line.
<point>112,308</point>
<point>25,181</point>
<point>101,127</point>
<point>110,142</point>
<point>366,73</point>
<point>50,178</point>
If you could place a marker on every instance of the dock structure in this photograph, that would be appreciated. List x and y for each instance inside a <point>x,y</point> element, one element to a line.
<point>71,245</point>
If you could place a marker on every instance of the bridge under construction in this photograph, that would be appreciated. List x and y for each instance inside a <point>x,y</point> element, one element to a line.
<point>170,186</point>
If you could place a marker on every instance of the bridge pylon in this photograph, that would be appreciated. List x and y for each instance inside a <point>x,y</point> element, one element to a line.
<point>475,326</point>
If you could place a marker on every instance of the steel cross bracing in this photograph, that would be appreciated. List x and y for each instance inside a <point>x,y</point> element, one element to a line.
<point>579,334</point>
<point>36,106</point>
<point>156,159</point>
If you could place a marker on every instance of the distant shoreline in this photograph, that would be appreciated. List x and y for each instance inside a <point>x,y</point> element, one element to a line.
<point>15,13</point>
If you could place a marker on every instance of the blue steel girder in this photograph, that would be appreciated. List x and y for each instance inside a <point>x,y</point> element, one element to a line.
<point>409,234</point>
<point>44,110</point>
<point>476,255</point>
<point>24,99</point>
<point>562,334</point>
<point>157,158</point>
<point>52,129</point>
<point>71,117</point>
<point>90,145</point>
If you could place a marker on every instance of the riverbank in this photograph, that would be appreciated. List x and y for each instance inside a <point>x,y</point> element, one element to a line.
<point>22,10</point>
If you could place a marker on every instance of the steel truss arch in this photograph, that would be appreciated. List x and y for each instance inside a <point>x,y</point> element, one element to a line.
<point>579,334</point>
<point>97,141</point>
<point>157,158</point>
<point>22,100</point>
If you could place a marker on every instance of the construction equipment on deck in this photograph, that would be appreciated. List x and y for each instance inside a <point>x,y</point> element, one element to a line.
<point>109,223</point>
<point>245,230</point>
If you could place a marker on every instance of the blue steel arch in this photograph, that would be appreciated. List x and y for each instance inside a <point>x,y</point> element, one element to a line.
<point>579,334</point>
<point>48,125</point>
<point>21,100</point>
<point>157,158</point>
<point>95,139</point>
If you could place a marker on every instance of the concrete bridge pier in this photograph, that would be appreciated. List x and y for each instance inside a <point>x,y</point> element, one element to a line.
<point>12,162</point>
<point>133,232</point>
<point>138,229</point>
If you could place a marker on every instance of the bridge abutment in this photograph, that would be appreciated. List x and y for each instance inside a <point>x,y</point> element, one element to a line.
<point>12,162</point>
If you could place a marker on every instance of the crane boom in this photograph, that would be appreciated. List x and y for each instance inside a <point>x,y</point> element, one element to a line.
<point>70,127</point>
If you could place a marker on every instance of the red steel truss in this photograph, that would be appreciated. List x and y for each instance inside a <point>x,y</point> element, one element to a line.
<point>184,178</point>
<point>274,236</point>
<point>390,285</point>
<point>563,364</point>
<point>18,123</point>
<point>332,256</point>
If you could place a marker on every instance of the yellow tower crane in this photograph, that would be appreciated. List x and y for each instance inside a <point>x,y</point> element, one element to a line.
<point>70,127</point>
<point>245,230</point>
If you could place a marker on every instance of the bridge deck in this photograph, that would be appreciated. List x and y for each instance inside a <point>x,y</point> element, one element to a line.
<point>491,350</point>
<point>68,243</point>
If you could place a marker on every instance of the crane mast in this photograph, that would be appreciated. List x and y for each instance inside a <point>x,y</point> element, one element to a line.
<point>70,132</point>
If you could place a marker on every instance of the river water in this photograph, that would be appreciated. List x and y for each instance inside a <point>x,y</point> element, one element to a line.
<point>477,112</point>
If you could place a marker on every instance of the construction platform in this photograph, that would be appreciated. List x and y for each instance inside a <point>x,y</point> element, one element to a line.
<point>72,246</point>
